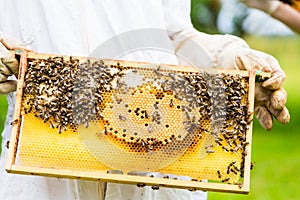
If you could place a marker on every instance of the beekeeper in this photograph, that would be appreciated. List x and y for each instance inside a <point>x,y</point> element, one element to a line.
<point>157,31</point>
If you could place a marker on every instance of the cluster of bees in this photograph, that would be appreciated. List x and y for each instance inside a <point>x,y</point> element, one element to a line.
<point>166,90</point>
<point>65,93</point>
<point>68,93</point>
<point>223,100</point>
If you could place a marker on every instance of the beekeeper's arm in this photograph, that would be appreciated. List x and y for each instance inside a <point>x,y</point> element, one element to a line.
<point>9,65</point>
<point>227,51</point>
<point>279,10</point>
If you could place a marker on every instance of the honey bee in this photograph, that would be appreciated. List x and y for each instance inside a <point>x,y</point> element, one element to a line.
<point>171,103</point>
<point>155,187</point>
<point>225,180</point>
<point>251,166</point>
<point>7,145</point>
<point>52,125</point>
<point>210,151</point>
<point>233,171</point>
<point>121,117</point>
<point>146,115</point>
<point>141,185</point>
<point>150,128</point>
<point>156,71</point>
<point>105,130</point>
<point>192,189</point>
<point>240,185</point>
<point>219,174</point>
<point>14,122</point>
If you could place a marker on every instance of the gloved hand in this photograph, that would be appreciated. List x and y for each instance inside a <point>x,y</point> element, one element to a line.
<point>270,98</point>
<point>9,65</point>
<point>226,51</point>
<point>268,6</point>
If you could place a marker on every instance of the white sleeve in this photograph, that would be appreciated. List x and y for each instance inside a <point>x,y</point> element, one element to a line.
<point>191,46</point>
<point>177,15</point>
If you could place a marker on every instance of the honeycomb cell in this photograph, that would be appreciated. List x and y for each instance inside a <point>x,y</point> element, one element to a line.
<point>92,116</point>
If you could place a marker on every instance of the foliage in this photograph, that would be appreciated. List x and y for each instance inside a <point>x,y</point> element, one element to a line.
<point>204,14</point>
<point>3,108</point>
<point>238,20</point>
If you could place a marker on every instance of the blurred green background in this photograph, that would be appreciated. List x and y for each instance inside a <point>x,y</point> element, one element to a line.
<point>276,154</point>
<point>3,108</point>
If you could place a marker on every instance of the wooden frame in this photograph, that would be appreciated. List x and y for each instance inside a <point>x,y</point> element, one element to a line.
<point>11,167</point>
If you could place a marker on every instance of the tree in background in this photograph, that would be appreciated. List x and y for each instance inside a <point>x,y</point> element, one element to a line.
<point>238,20</point>
<point>204,15</point>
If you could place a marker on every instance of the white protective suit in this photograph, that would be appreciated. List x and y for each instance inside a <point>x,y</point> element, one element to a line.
<point>140,30</point>
<point>75,27</point>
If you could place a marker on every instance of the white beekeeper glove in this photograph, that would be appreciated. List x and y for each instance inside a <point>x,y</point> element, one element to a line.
<point>9,65</point>
<point>270,98</point>
<point>226,51</point>
<point>268,6</point>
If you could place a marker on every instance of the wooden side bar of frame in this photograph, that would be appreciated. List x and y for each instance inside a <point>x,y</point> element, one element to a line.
<point>16,124</point>
<point>251,89</point>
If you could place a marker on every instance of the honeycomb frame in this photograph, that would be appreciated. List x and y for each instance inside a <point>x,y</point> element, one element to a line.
<point>226,180</point>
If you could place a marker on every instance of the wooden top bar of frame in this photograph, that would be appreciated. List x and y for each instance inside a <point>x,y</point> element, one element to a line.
<point>145,65</point>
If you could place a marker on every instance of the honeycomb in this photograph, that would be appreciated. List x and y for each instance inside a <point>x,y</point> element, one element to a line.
<point>88,115</point>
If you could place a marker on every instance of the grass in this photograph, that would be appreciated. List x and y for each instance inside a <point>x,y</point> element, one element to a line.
<point>276,154</point>
<point>3,110</point>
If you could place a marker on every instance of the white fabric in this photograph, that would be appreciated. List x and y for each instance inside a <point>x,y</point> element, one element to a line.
<point>203,50</point>
<point>77,27</point>
<point>118,191</point>
<point>3,51</point>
